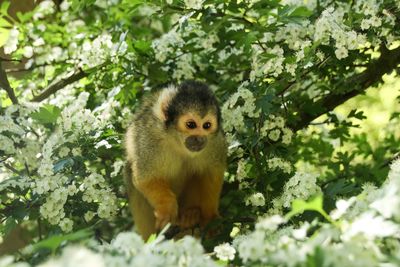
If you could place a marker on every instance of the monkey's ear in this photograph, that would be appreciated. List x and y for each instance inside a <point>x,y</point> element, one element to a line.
<point>164,99</point>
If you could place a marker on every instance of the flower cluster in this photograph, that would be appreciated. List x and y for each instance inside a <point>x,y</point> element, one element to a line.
<point>274,128</point>
<point>45,154</point>
<point>331,26</point>
<point>279,163</point>
<point>102,48</point>
<point>358,240</point>
<point>12,42</point>
<point>239,105</point>
<point>96,190</point>
<point>128,249</point>
<point>355,241</point>
<point>256,200</point>
<point>167,44</point>
<point>300,186</point>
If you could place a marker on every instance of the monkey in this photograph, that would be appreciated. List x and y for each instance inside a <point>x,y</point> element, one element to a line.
<point>175,158</point>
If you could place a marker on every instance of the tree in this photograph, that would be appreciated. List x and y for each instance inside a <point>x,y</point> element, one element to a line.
<point>74,71</point>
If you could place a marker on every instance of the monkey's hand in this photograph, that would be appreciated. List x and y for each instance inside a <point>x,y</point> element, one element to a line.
<point>165,213</point>
<point>189,217</point>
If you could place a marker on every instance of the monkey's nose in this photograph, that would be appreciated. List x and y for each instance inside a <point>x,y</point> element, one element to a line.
<point>195,143</point>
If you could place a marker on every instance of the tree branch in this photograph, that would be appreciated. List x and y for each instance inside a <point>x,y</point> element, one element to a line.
<point>5,84</point>
<point>53,88</point>
<point>386,63</point>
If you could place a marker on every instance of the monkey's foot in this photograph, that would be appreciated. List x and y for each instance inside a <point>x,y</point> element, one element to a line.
<point>166,213</point>
<point>189,217</point>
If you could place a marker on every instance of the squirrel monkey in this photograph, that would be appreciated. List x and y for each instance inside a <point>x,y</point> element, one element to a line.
<point>176,158</point>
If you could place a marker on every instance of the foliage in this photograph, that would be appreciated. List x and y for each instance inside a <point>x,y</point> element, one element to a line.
<point>80,68</point>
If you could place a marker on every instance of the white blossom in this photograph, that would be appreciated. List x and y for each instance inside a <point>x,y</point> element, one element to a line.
<point>76,256</point>
<point>225,252</point>
<point>256,200</point>
<point>12,41</point>
<point>194,4</point>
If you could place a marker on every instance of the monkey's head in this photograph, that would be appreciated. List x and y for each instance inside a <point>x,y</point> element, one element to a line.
<point>190,113</point>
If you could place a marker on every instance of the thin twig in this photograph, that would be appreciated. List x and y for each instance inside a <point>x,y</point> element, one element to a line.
<point>11,168</point>
<point>5,84</point>
<point>60,85</point>
<point>10,59</point>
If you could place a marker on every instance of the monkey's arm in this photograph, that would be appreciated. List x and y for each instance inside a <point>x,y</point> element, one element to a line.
<point>158,193</point>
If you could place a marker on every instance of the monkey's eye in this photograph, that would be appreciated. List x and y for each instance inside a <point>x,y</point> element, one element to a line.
<point>191,125</point>
<point>207,125</point>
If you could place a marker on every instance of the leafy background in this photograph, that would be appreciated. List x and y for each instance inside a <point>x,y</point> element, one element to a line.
<point>309,92</point>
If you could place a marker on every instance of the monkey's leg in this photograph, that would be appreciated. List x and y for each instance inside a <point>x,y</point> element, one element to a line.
<point>201,192</point>
<point>143,214</point>
<point>161,198</point>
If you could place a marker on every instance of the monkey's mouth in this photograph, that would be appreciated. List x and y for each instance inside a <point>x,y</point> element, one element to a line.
<point>195,143</point>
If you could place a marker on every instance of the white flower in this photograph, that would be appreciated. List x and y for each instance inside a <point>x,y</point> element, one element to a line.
<point>241,170</point>
<point>89,216</point>
<point>184,67</point>
<point>194,4</point>
<point>128,243</point>
<point>320,55</point>
<point>117,167</point>
<point>291,68</point>
<point>64,152</point>
<point>65,5</point>
<point>45,7</point>
<point>341,207</point>
<point>166,44</point>
<point>372,226</point>
<point>103,143</point>
<point>301,233</point>
<point>76,151</point>
<point>66,225</point>
<point>76,256</point>
<point>300,186</point>
<point>274,163</point>
<point>225,252</point>
<point>270,223</point>
<point>274,134</point>
<point>375,21</point>
<point>365,24</point>
<point>341,52</point>
<point>286,136</point>
<point>12,42</point>
<point>38,42</point>
<point>256,199</point>
<point>252,247</point>
<point>28,51</point>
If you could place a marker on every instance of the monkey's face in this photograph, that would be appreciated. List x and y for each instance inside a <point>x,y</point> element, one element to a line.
<point>195,130</point>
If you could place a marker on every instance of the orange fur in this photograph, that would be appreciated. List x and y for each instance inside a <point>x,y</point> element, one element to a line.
<point>160,196</point>
<point>201,192</point>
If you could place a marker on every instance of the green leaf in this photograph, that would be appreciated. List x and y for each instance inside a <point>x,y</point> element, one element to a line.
<point>4,7</point>
<point>10,224</point>
<point>4,23</point>
<point>151,238</point>
<point>46,114</point>
<point>299,206</point>
<point>142,46</point>
<point>301,11</point>
<point>54,242</point>
<point>358,115</point>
